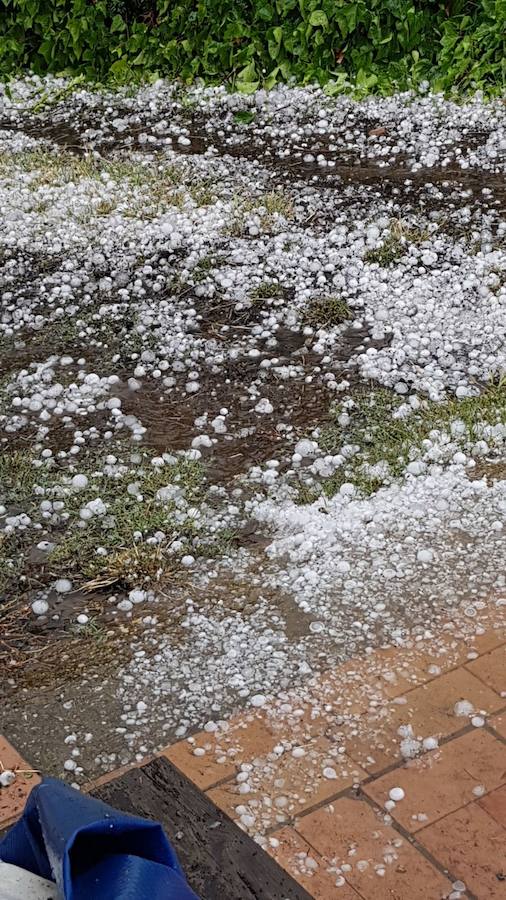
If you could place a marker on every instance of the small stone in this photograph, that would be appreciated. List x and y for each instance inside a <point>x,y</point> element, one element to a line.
<point>396,794</point>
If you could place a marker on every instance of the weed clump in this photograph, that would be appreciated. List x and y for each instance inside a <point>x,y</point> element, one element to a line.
<point>326,312</point>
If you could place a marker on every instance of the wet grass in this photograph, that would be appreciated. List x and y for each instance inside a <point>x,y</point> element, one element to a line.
<point>119,545</point>
<point>395,244</point>
<point>117,338</point>
<point>269,208</point>
<point>387,443</point>
<point>390,251</point>
<point>163,185</point>
<point>267,290</point>
<point>49,168</point>
<point>18,477</point>
<point>11,560</point>
<point>326,312</point>
<point>111,548</point>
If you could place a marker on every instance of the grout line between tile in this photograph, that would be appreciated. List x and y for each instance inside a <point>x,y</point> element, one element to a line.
<point>346,792</point>
<point>491,730</point>
<point>418,846</point>
<point>480,679</point>
<point>216,784</point>
<point>372,776</point>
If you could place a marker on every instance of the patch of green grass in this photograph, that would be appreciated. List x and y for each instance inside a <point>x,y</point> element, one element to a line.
<point>394,245</point>
<point>134,513</point>
<point>306,494</point>
<point>389,252</point>
<point>277,203</point>
<point>202,191</point>
<point>93,630</point>
<point>220,544</point>
<point>326,312</point>
<point>18,476</point>
<point>389,443</point>
<point>128,511</point>
<point>267,290</point>
<point>268,207</point>
<point>163,185</point>
<point>11,561</point>
<point>70,333</point>
<point>49,167</point>
<point>205,266</point>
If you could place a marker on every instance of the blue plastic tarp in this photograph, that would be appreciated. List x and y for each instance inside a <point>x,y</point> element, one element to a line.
<point>92,850</point>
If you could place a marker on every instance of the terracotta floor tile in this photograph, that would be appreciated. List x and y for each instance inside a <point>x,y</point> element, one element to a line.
<point>374,858</point>
<point>429,709</point>
<point>205,770</point>
<point>243,740</point>
<point>491,668</point>
<point>443,780</point>
<point>385,673</point>
<point>498,723</point>
<point>472,845</point>
<point>495,805</point>
<point>304,864</point>
<point>281,787</point>
<point>13,798</point>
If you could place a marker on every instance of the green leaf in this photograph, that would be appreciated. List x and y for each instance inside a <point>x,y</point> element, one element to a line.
<point>118,24</point>
<point>120,69</point>
<point>271,79</point>
<point>245,116</point>
<point>247,80</point>
<point>75,29</point>
<point>265,13</point>
<point>248,73</point>
<point>247,87</point>
<point>318,18</point>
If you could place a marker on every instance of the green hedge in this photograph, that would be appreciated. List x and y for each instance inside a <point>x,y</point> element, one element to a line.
<point>376,44</point>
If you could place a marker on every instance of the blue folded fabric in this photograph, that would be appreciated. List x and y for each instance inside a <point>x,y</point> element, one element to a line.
<point>92,850</point>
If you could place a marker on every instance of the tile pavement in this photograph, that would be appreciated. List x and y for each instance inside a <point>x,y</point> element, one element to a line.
<point>309,776</point>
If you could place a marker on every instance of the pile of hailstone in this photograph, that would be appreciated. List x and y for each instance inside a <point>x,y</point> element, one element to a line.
<point>192,311</point>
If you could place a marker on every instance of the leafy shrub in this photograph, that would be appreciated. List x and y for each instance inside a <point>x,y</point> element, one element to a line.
<point>377,44</point>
